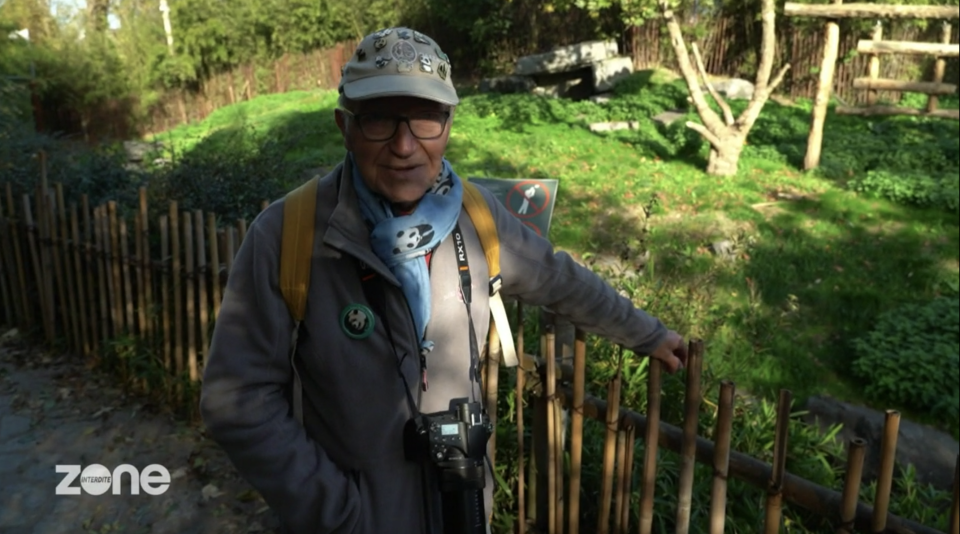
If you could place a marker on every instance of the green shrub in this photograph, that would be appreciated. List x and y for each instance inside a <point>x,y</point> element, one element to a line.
<point>912,358</point>
<point>918,189</point>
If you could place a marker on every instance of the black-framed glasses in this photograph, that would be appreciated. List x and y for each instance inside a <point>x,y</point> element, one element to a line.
<point>425,125</point>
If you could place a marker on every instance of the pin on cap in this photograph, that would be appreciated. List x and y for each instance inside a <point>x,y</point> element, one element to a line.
<point>398,62</point>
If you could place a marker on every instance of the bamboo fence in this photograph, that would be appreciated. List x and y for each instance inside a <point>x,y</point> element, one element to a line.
<point>89,275</point>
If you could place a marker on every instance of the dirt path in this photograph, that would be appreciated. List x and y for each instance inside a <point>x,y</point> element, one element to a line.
<point>54,411</point>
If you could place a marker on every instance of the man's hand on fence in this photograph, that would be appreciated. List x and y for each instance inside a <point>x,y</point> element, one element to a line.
<point>672,352</point>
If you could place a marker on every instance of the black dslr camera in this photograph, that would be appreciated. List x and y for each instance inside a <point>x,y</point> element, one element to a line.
<point>455,441</point>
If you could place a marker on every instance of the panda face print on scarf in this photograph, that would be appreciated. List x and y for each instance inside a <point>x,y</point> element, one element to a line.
<point>402,241</point>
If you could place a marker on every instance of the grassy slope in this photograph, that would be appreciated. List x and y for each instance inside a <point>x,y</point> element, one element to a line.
<point>816,274</point>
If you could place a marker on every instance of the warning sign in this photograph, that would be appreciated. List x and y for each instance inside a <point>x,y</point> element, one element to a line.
<point>530,200</point>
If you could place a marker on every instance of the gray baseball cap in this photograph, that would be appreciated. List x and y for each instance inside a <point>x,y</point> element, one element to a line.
<point>398,62</point>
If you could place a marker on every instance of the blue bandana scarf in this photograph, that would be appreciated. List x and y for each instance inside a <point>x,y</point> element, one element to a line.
<point>402,241</point>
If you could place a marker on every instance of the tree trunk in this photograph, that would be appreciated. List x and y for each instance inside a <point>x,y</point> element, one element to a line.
<point>725,157</point>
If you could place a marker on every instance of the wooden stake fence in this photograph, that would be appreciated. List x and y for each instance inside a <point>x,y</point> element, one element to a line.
<point>74,278</point>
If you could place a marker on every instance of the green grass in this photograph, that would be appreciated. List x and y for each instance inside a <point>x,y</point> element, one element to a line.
<point>811,274</point>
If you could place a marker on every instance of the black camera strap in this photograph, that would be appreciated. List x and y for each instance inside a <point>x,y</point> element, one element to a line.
<point>466,290</point>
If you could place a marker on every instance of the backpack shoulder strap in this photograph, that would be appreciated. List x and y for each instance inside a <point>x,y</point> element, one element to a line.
<point>296,246</point>
<point>479,212</point>
<point>296,251</point>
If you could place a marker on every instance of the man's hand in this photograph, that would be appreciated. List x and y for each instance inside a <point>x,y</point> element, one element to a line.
<point>672,352</point>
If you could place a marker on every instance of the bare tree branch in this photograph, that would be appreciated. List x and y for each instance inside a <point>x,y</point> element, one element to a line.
<point>709,117</point>
<point>702,130</point>
<point>778,79</point>
<point>768,47</point>
<point>749,115</point>
<point>727,112</point>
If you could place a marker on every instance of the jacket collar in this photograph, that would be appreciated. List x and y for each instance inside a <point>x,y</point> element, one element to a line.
<point>346,229</point>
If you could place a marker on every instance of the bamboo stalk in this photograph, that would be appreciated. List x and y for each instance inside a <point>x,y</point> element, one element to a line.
<point>6,273</point>
<point>940,67</point>
<point>241,230</point>
<point>621,474</point>
<point>202,281</point>
<point>888,453</point>
<point>190,278</point>
<point>125,269</point>
<point>627,491</point>
<point>549,392</point>
<point>146,265</point>
<point>115,259</point>
<point>102,258</point>
<point>138,273</point>
<point>66,244</point>
<point>774,507</point>
<point>874,67</point>
<point>46,289</point>
<point>18,257</point>
<point>175,274</point>
<point>230,235</point>
<point>59,298</point>
<point>851,487</point>
<point>521,449</point>
<point>609,451</point>
<point>688,449</point>
<point>828,65</point>
<point>651,440</point>
<point>955,509</point>
<point>38,271</point>
<point>576,430</point>
<point>721,458</point>
<point>165,292</point>
<point>78,275</point>
<point>558,440</point>
<point>214,263</point>
<point>90,267</point>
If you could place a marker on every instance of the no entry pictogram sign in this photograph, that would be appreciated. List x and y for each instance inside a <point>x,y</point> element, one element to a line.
<point>530,200</point>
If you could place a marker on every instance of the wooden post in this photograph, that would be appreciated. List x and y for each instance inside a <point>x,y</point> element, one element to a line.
<point>491,383</point>
<point>241,231</point>
<point>229,242</point>
<point>7,286</point>
<point>851,487</point>
<point>873,71</point>
<point>621,475</point>
<point>90,266</point>
<point>518,401</point>
<point>78,275</point>
<point>191,279</point>
<point>45,266</point>
<point>940,67</point>
<point>138,276</point>
<point>688,449</point>
<point>58,298</point>
<point>113,233</point>
<point>214,262</point>
<point>831,47</point>
<point>125,269</point>
<point>165,310</point>
<point>609,453</point>
<point>651,440</point>
<point>146,265</point>
<point>175,274</point>
<point>721,458</point>
<point>888,453</point>
<point>576,430</point>
<point>18,257</point>
<point>627,489</point>
<point>774,512</point>
<point>550,386</point>
<point>202,281</point>
<point>66,244</point>
<point>103,273</point>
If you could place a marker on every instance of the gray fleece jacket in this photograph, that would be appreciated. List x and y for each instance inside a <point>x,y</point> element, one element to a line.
<point>344,471</point>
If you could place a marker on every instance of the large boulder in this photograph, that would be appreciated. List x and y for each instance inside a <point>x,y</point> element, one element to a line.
<point>566,58</point>
<point>507,84</point>
<point>734,88</point>
<point>607,72</point>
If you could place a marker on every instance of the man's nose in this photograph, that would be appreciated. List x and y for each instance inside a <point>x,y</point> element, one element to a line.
<point>403,142</point>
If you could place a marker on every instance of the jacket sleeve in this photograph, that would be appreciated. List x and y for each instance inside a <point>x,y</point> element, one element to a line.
<point>245,403</point>
<point>535,274</point>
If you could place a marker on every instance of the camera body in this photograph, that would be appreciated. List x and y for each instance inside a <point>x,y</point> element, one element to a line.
<point>455,441</point>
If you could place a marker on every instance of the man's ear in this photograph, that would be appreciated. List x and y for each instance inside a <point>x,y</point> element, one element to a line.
<point>341,119</point>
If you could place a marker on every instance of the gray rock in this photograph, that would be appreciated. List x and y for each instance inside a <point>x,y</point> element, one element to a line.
<point>614,126</point>
<point>602,98</point>
<point>607,72</point>
<point>137,151</point>
<point>566,58</point>
<point>734,88</point>
<point>507,84</point>
<point>669,117</point>
<point>931,452</point>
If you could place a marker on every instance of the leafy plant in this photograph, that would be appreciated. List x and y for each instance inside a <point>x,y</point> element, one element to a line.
<point>917,188</point>
<point>912,358</point>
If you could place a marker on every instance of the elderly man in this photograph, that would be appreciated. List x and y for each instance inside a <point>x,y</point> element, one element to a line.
<point>388,332</point>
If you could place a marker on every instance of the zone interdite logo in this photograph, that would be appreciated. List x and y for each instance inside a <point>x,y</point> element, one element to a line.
<point>96,479</point>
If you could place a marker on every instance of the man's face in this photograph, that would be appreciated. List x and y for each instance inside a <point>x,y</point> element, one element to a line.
<point>402,168</point>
